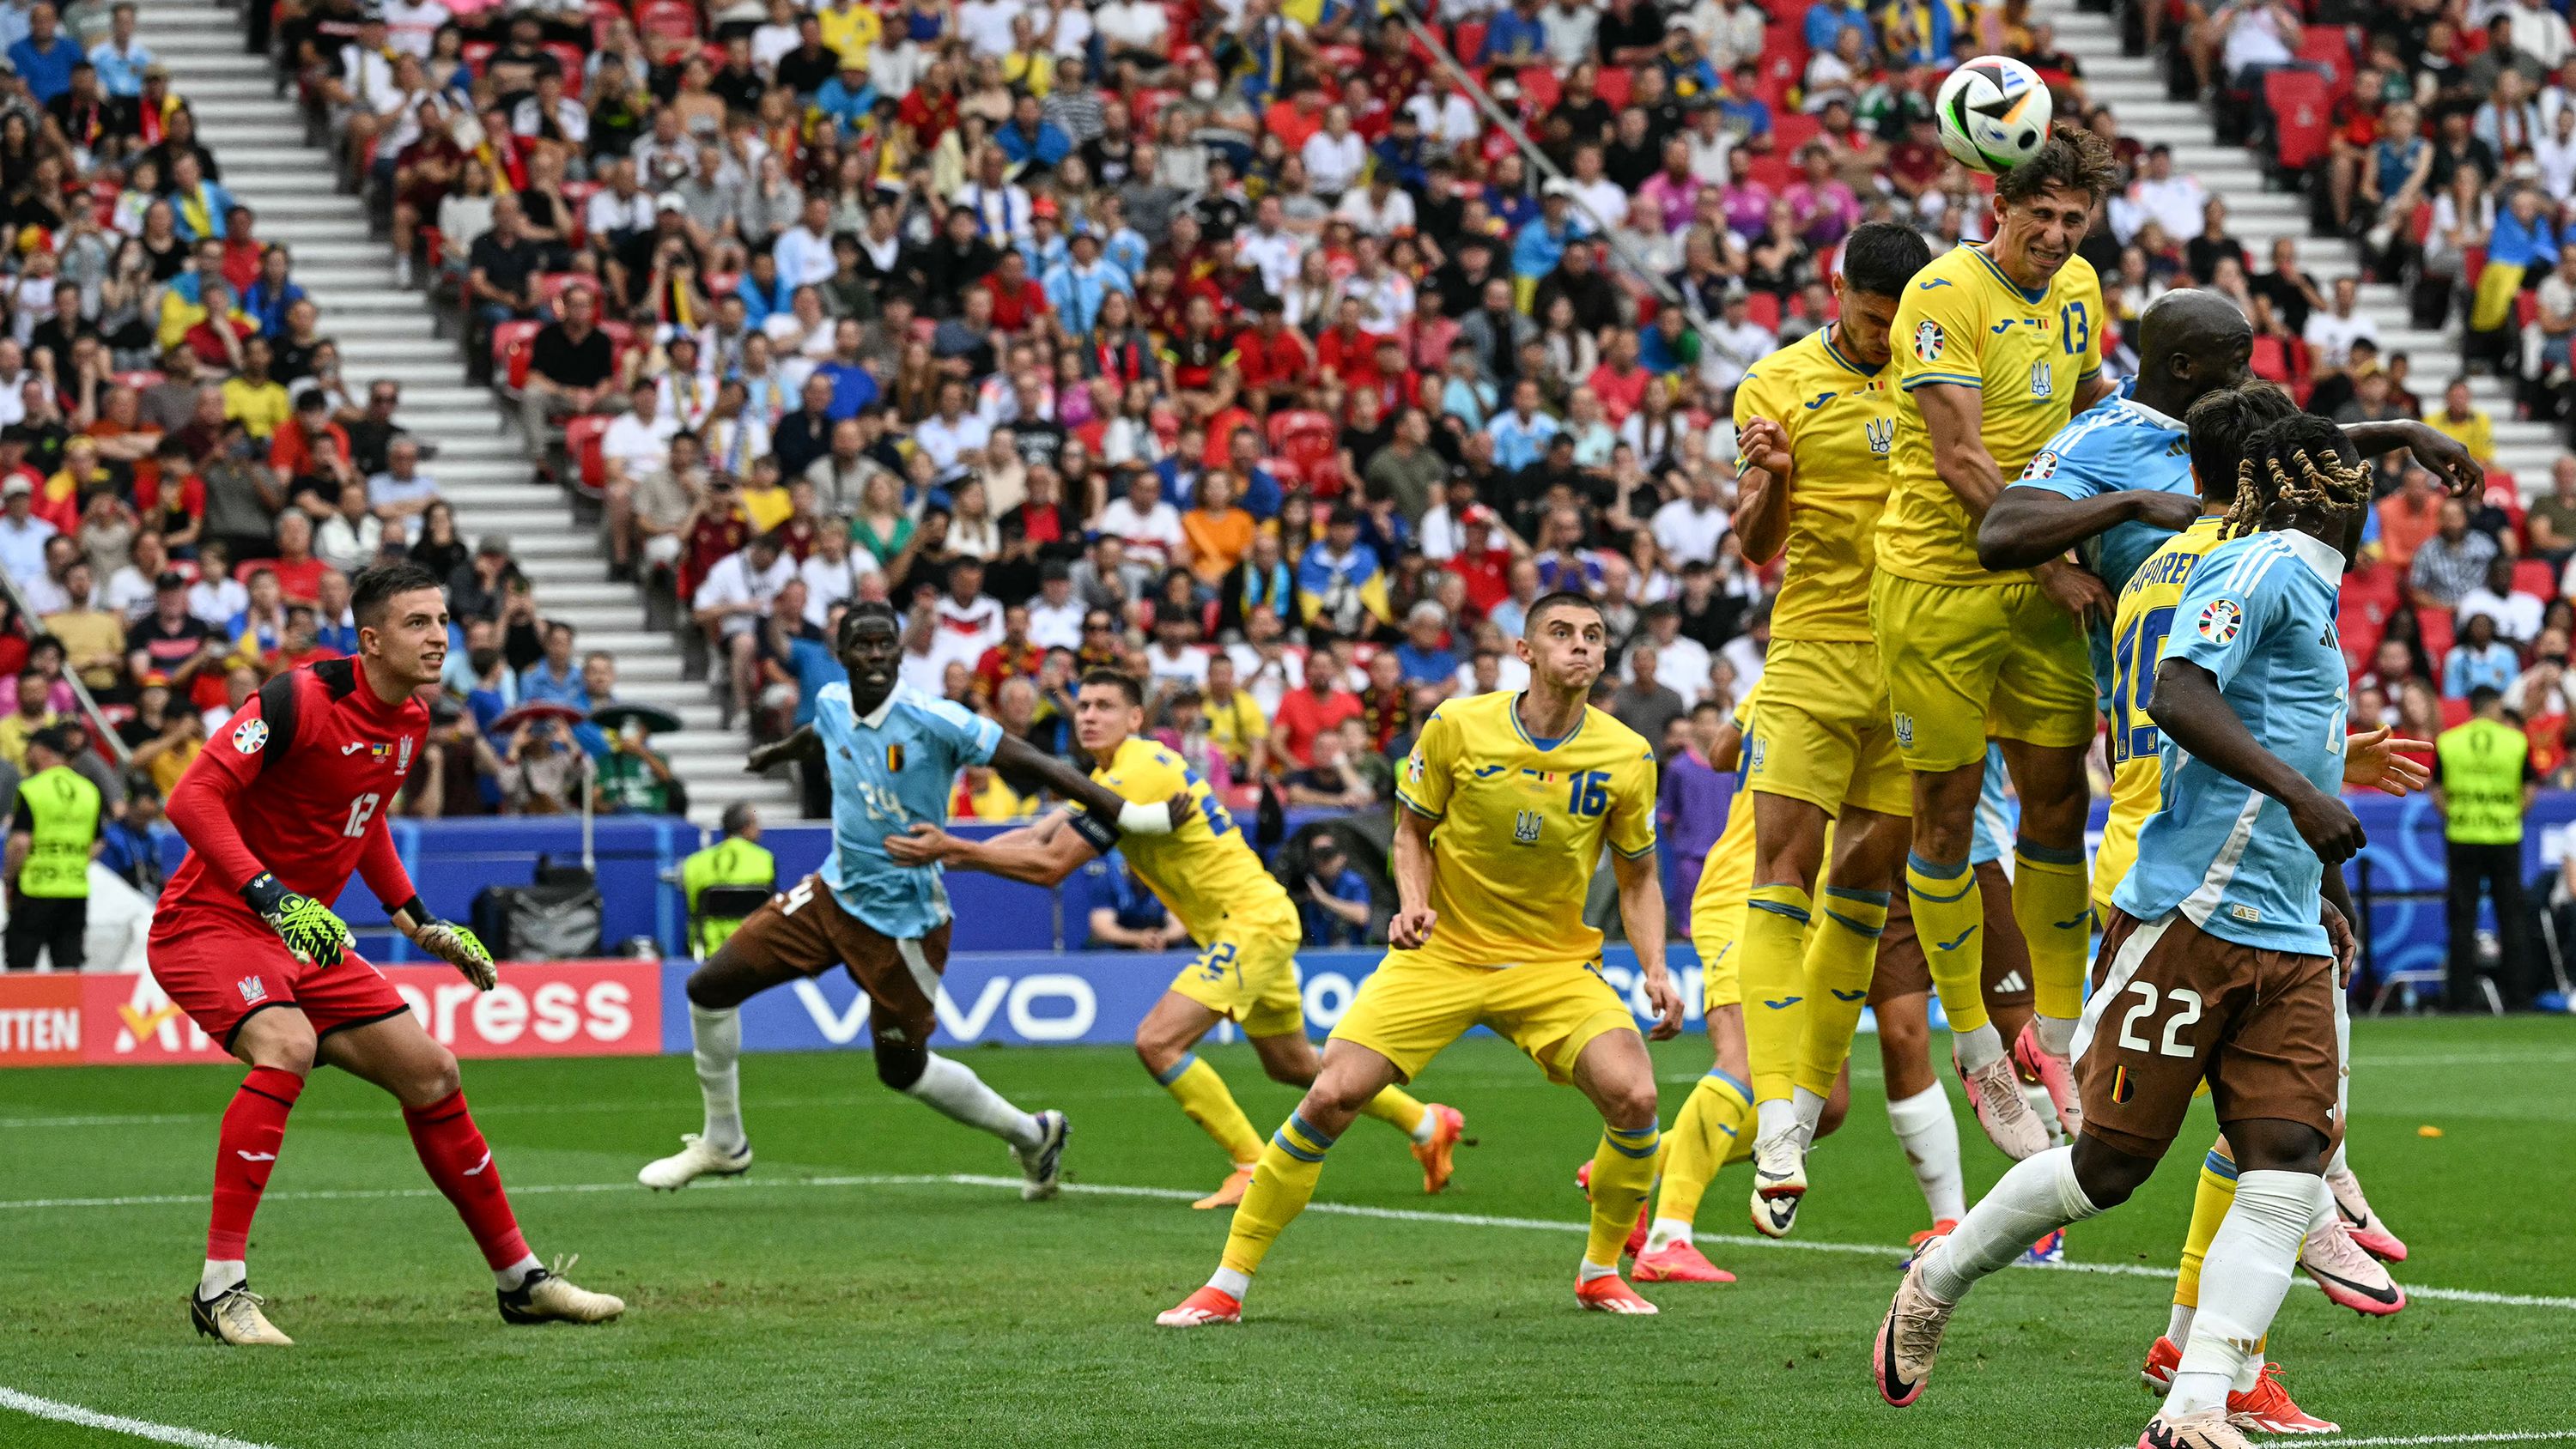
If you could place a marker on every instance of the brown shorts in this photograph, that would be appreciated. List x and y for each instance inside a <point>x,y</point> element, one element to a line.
<point>1903,972</point>
<point>802,931</point>
<point>2173,1005</point>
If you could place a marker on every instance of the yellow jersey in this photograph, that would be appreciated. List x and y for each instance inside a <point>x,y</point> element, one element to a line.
<point>1202,872</point>
<point>1521,826</point>
<point>2138,631</point>
<point>1964,323</point>
<point>1841,422</point>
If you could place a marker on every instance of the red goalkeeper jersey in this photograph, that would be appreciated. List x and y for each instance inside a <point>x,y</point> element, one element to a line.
<point>298,784</point>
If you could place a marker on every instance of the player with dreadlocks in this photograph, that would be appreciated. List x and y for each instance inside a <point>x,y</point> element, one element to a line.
<point>2221,954</point>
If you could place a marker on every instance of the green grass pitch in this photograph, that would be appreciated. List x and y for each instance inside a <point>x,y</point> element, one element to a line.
<point>791,1309</point>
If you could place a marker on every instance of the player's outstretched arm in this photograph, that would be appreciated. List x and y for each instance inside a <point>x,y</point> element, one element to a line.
<point>1955,415</point>
<point>802,747</point>
<point>1105,804</point>
<point>1043,854</point>
<point>2027,527</point>
<point>2441,454</point>
<point>2187,706</point>
<point>2371,762</point>
<point>1641,911</point>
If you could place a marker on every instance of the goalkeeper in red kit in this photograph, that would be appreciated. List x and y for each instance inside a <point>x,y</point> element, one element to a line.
<point>286,800</point>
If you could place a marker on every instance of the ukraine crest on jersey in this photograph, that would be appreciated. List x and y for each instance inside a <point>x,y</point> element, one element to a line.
<point>2261,620</point>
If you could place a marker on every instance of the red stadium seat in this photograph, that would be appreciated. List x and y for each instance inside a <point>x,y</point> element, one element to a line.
<point>2535,577</point>
<point>2438,630</point>
<point>1773,171</point>
<point>2302,107</point>
<point>1615,86</point>
<point>1793,129</point>
<point>1290,422</point>
<point>571,58</point>
<point>1762,309</point>
<point>1467,41</point>
<point>510,342</point>
<point>478,54</point>
<point>673,20</point>
<point>2329,47</point>
<point>582,443</point>
<point>2271,360</point>
<point>2455,713</point>
<point>1540,86</point>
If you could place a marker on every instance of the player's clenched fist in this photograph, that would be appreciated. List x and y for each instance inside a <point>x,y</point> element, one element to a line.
<point>1411,929</point>
<point>460,948</point>
<point>306,925</point>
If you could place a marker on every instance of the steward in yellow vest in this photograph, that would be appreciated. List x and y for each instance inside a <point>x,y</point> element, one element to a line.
<point>51,839</point>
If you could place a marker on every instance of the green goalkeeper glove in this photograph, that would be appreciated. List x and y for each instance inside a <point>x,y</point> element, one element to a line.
<point>307,926</point>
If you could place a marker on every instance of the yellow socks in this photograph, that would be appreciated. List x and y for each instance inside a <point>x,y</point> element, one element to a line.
<point>1623,1168</point>
<point>1840,957</point>
<point>1203,1097</point>
<point>2209,1205</point>
<point>1772,972</point>
<point>1709,1127</point>
<point>1282,1182</point>
<point>2053,904</point>
<point>1947,918</point>
<point>1398,1109</point>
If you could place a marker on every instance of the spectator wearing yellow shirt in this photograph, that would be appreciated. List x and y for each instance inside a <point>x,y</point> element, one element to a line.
<point>850,28</point>
<point>93,637</point>
<point>2465,423</point>
<point>1235,725</point>
<point>31,715</point>
<point>982,795</point>
<point>70,484</point>
<point>252,397</point>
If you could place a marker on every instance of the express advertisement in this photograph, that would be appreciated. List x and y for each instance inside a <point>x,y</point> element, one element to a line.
<point>539,1009</point>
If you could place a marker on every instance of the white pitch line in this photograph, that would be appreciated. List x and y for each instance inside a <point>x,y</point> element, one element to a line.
<point>63,1413</point>
<point>2390,1441</point>
<point>1174,1194</point>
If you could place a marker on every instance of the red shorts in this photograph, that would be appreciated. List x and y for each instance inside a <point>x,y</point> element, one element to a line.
<point>222,970</point>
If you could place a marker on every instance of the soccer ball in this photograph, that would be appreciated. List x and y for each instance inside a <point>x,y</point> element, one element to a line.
<point>1994,113</point>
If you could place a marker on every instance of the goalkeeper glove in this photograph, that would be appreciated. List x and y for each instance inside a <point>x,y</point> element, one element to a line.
<point>308,928</point>
<point>451,943</point>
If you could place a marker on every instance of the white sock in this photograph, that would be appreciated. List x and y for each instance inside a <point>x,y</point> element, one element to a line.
<point>1590,1271</point>
<point>1976,1048</point>
<point>2335,1164</point>
<point>1230,1283</point>
<point>2246,1374</point>
<point>1662,1233</point>
<point>2178,1327</point>
<point>1930,1136</point>
<point>508,1279</point>
<point>1776,1116</point>
<point>1809,1110</point>
<point>952,1089</point>
<point>2043,1106</point>
<point>220,1274</point>
<point>2036,1198</point>
<point>1426,1129</point>
<point>2242,1281</point>
<point>716,1042</point>
<point>2056,1034</point>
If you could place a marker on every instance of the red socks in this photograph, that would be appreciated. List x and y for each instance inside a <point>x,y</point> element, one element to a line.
<point>245,1152</point>
<point>453,1150</point>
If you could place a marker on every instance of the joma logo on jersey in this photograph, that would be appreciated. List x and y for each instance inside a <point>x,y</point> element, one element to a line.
<point>1525,826</point>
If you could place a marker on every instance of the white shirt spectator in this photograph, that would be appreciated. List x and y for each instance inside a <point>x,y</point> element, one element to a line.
<point>2555,155</point>
<point>770,42</point>
<point>217,601</point>
<point>1682,667</point>
<point>1605,198</point>
<point>1151,535</point>
<point>1267,681</point>
<point>571,117</point>
<point>2260,35</point>
<point>1276,254</point>
<point>1733,347</point>
<point>2174,202</point>
<point>44,595</point>
<point>610,212</point>
<point>2541,33</point>
<point>131,592</point>
<point>1746,656</point>
<point>1510,675</point>
<point>986,26</point>
<point>734,584</point>
<point>2331,337</point>
<point>22,547</point>
<point>639,446</point>
<point>1367,216</point>
<point>387,491</point>
<point>410,27</point>
<point>804,257</point>
<point>2517,616</point>
<point>1333,163</point>
<point>1168,670</point>
<point>1386,300</point>
<point>944,440</point>
<point>1132,25</point>
<point>1447,117</point>
<point>1688,533</point>
<point>346,546</point>
<point>964,631</point>
<point>1056,626</point>
<point>828,583</point>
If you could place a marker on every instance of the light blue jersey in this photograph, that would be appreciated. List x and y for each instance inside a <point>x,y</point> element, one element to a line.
<point>2259,615</point>
<point>890,770</point>
<point>1998,813</point>
<point>2114,445</point>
